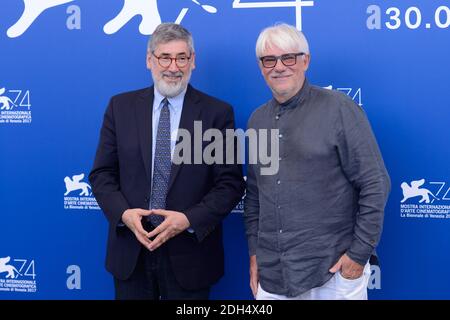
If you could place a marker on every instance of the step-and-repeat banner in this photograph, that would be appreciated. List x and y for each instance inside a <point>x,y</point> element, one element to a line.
<point>61,61</point>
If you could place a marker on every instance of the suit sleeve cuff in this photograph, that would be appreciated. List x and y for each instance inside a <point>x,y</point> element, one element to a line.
<point>194,215</point>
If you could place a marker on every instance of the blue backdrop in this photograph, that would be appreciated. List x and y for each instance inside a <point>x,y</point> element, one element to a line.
<point>58,71</point>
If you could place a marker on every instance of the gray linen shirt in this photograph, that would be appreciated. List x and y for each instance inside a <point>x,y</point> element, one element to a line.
<point>327,198</point>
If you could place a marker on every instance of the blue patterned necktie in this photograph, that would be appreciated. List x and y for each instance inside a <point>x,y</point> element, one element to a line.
<point>162,164</point>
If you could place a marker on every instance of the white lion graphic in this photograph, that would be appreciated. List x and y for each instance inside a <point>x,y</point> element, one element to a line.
<point>32,10</point>
<point>6,102</point>
<point>8,268</point>
<point>414,191</point>
<point>147,9</point>
<point>76,184</point>
<point>150,17</point>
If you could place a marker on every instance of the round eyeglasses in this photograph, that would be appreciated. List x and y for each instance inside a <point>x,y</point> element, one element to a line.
<point>165,60</point>
<point>288,59</point>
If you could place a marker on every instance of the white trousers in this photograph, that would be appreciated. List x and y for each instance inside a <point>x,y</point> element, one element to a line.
<point>337,288</point>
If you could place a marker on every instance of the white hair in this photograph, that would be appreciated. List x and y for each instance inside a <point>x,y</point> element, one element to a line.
<point>282,36</point>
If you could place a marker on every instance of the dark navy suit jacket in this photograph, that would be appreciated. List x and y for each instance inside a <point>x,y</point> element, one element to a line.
<point>121,178</point>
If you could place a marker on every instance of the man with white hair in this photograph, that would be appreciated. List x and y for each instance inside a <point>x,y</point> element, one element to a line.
<point>313,226</point>
<point>165,232</point>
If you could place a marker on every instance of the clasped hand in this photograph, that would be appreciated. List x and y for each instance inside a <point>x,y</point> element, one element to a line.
<point>174,223</point>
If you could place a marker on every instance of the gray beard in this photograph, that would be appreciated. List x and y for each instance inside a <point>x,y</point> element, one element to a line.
<point>169,90</point>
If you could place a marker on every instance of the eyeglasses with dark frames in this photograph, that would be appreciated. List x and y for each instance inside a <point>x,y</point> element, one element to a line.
<point>288,59</point>
<point>165,60</point>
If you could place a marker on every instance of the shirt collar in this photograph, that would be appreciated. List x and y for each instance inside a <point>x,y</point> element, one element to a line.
<point>296,100</point>
<point>175,103</point>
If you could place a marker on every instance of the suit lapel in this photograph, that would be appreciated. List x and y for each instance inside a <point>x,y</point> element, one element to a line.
<point>144,115</point>
<point>189,114</point>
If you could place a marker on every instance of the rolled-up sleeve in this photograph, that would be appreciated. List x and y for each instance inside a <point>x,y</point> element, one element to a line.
<point>363,165</point>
